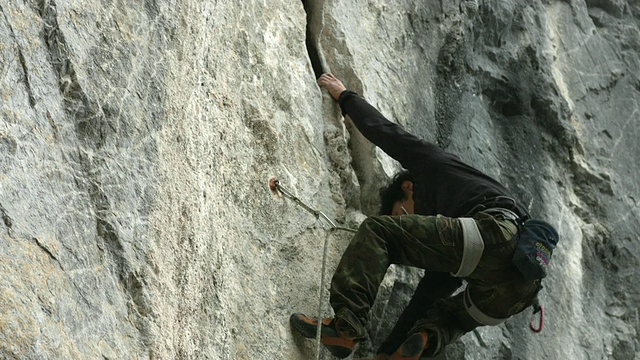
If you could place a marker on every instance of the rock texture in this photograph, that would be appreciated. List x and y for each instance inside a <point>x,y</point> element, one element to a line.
<point>137,139</point>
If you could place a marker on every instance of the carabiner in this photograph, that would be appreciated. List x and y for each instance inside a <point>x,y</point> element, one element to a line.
<point>538,309</point>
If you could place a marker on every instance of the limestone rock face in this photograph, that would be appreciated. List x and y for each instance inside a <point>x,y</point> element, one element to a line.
<point>137,139</point>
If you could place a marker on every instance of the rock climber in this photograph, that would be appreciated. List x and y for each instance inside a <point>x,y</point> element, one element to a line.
<point>453,220</point>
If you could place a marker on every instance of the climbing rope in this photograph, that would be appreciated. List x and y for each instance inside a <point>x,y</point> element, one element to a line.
<point>320,295</point>
<point>278,189</point>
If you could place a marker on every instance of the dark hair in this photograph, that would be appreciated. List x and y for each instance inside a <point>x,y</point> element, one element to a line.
<point>393,192</point>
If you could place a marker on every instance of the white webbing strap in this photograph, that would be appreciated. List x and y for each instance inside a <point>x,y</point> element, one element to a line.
<point>478,315</point>
<point>473,247</point>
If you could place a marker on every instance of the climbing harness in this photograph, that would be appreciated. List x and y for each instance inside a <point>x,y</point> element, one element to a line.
<point>473,247</point>
<point>477,314</point>
<point>278,189</point>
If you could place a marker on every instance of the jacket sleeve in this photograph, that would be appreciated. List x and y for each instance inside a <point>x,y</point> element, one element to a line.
<point>406,148</point>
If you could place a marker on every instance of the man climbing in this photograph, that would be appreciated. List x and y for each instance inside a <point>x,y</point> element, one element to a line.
<point>468,229</point>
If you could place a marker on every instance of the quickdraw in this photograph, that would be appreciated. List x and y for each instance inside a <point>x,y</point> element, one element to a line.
<point>277,188</point>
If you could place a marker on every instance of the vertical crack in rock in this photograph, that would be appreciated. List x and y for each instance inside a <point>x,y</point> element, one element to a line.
<point>32,101</point>
<point>312,49</point>
<point>114,245</point>
<point>340,152</point>
<point>77,107</point>
<point>92,129</point>
<point>91,124</point>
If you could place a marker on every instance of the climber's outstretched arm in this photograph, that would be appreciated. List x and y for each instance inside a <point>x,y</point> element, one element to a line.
<point>407,148</point>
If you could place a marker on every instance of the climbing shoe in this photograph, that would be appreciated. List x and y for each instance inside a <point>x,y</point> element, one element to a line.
<point>338,341</point>
<point>412,348</point>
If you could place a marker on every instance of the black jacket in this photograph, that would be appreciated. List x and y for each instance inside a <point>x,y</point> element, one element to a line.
<point>443,184</point>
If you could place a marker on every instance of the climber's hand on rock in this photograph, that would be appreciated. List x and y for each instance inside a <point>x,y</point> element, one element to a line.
<point>332,84</point>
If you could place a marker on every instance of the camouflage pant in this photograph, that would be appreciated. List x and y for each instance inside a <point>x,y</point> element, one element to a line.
<point>433,243</point>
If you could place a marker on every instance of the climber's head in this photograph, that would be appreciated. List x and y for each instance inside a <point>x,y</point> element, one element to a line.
<point>397,197</point>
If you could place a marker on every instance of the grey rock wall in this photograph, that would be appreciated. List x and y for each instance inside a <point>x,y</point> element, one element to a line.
<point>137,140</point>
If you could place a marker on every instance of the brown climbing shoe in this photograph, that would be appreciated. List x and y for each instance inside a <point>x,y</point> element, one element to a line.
<point>333,339</point>
<point>412,348</point>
